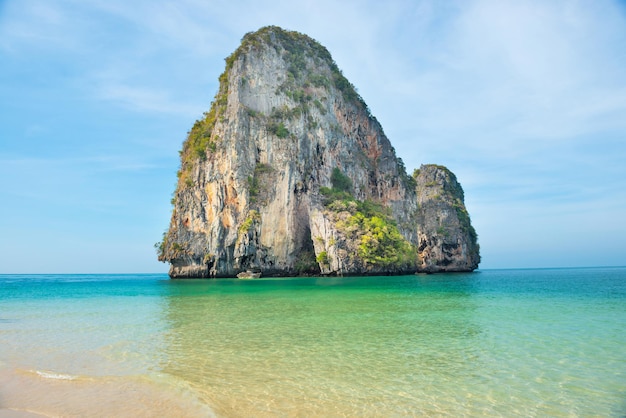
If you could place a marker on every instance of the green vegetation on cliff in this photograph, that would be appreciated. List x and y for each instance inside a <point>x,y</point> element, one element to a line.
<point>380,243</point>
<point>440,192</point>
<point>454,189</point>
<point>259,183</point>
<point>200,139</point>
<point>298,49</point>
<point>174,249</point>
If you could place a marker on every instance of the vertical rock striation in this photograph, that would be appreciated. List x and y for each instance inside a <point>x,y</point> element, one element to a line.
<point>447,240</point>
<point>289,173</point>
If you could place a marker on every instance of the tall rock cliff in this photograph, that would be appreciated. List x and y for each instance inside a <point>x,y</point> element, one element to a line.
<point>289,173</point>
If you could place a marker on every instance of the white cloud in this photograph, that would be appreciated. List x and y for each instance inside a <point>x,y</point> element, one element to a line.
<point>17,28</point>
<point>524,100</point>
<point>145,99</point>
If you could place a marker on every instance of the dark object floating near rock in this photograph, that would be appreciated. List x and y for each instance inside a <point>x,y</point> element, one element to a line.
<point>289,174</point>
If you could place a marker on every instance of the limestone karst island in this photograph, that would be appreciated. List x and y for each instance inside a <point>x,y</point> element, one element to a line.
<point>289,173</point>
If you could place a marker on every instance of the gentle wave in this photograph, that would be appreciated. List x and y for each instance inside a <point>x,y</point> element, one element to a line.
<point>46,393</point>
<point>57,376</point>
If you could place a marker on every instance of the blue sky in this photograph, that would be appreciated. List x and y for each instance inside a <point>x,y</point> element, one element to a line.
<point>524,100</point>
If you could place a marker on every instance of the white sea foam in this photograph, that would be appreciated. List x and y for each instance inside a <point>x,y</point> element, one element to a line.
<point>58,376</point>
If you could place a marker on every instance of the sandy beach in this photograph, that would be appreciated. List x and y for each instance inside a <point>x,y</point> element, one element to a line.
<point>25,393</point>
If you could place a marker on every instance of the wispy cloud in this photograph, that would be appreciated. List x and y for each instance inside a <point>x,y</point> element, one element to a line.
<point>523,99</point>
<point>543,64</point>
<point>96,163</point>
<point>17,28</point>
<point>142,99</point>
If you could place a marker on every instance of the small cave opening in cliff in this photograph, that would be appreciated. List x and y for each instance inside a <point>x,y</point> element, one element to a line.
<point>306,264</point>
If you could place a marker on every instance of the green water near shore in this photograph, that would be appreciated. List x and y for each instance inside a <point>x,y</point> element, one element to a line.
<point>507,342</point>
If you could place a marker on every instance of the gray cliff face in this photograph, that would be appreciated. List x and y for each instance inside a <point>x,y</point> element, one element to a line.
<point>446,238</point>
<point>288,173</point>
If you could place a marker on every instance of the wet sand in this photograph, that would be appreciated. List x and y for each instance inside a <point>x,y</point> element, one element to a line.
<point>31,394</point>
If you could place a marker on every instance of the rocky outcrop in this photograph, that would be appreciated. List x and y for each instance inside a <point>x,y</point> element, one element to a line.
<point>289,173</point>
<point>447,240</point>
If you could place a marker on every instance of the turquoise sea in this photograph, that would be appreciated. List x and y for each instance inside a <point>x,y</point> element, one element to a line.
<point>537,342</point>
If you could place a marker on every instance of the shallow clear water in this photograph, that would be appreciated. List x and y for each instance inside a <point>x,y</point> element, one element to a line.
<point>492,343</point>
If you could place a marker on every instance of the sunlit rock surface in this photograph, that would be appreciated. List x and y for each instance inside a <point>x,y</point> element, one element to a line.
<point>290,174</point>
